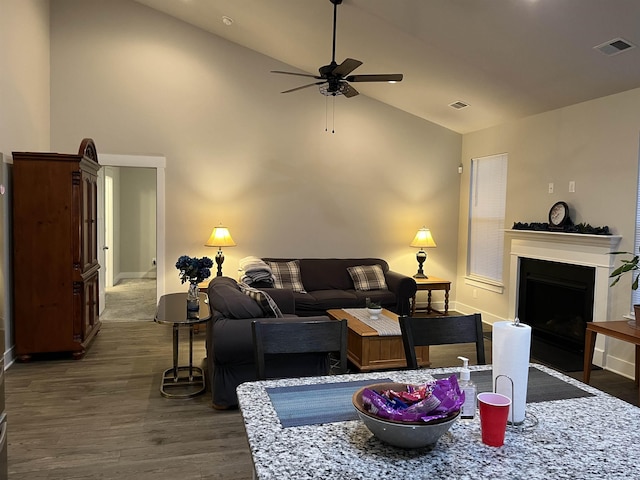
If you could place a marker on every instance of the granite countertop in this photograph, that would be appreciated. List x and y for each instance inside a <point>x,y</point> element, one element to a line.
<point>593,437</point>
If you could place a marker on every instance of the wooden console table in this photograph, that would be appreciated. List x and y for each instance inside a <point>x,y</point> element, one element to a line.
<point>621,330</point>
<point>429,284</point>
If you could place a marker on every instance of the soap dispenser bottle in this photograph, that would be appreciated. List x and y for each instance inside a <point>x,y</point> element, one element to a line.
<point>469,389</point>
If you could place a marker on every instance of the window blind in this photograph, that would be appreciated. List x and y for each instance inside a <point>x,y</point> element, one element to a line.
<point>486,217</point>
<point>635,294</point>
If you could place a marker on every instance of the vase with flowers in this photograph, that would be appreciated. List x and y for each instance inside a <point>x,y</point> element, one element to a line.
<point>193,270</point>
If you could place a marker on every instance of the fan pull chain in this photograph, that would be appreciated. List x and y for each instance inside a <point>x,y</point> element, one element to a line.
<point>326,114</point>
<point>333,115</point>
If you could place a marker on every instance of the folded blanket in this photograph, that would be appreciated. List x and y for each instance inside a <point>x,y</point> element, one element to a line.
<point>254,269</point>
<point>255,277</point>
<point>250,264</point>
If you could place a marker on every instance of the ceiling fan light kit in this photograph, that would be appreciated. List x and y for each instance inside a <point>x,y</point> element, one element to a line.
<point>334,79</point>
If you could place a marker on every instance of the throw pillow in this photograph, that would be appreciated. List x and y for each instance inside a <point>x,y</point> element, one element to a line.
<point>367,277</point>
<point>267,304</point>
<point>287,275</point>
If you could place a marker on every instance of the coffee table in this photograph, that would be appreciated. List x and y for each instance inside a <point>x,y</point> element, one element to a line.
<point>172,309</point>
<point>369,351</point>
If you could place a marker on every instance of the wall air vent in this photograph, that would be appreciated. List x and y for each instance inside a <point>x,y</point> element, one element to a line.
<point>458,105</point>
<point>615,46</point>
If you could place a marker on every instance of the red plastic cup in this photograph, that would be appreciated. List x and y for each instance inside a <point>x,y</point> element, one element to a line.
<point>494,411</point>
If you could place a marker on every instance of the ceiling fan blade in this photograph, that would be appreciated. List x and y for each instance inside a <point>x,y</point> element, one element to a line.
<point>348,91</point>
<point>346,67</point>
<point>303,86</point>
<point>390,77</point>
<point>298,74</point>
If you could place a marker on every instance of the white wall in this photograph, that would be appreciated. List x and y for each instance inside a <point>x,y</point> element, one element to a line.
<point>24,80</point>
<point>595,144</point>
<point>239,152</point>
<point>137,219</point>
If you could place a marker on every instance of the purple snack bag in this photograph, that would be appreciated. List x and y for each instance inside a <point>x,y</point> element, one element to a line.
<point>448,392</point>
<point>442,398</point>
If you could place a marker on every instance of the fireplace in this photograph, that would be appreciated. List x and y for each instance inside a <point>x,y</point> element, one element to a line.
<point>556,300</point>
<point>557,283</point>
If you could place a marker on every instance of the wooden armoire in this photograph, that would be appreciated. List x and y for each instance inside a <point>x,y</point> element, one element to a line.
<point>55,251</point>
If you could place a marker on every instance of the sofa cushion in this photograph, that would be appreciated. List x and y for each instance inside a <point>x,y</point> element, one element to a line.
<point>263,299</point>
<point>326,299</point>
<point>367,277</point>
<point>287,275</point>
<point>225,297</point>
<point>384,297</point>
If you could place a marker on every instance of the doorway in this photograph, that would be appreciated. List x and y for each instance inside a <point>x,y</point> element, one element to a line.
<point>130,236</point>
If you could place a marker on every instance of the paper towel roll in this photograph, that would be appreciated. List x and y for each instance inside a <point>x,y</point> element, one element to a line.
<point>511,345</point>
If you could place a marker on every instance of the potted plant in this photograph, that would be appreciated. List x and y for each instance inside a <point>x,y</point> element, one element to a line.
<point>374,309</point>
<point>628,265</point>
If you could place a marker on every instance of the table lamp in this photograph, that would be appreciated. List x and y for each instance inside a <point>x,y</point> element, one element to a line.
<point>422,240</point>
<point>220,237</point>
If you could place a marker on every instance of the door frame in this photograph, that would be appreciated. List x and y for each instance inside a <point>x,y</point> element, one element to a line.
<point>145,161</point>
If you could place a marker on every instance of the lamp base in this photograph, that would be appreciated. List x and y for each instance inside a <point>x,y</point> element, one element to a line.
<point>421,256</point>
<point>219,261</point>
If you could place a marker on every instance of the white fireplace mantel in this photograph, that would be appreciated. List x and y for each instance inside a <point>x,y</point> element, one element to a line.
<point>573,248</point>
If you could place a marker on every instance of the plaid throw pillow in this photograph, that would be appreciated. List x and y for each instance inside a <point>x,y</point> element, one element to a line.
<point>367,277</point>
<point>268,306</point>
<point>287,275</point>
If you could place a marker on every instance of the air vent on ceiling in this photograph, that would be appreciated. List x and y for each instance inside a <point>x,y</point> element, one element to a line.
<point>458,105</point>
<point>615,46</point>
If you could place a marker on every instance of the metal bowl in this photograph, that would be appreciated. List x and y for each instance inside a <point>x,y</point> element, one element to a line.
<point>401,434</point>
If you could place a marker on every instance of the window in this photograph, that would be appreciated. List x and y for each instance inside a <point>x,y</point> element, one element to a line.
<point>635,294</point>
<point>486,221</point>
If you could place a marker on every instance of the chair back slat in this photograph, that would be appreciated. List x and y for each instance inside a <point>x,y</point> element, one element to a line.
<point>294,337</point>
<point>418,332</point>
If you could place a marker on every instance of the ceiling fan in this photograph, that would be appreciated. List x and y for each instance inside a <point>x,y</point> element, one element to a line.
<point>334,79</point>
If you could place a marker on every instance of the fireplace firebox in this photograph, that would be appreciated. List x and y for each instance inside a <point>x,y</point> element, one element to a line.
<point>556,299</point>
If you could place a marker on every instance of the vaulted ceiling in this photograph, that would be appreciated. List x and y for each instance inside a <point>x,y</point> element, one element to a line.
<point>506,59</point>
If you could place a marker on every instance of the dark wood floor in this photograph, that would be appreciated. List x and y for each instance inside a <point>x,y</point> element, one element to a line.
<point>102,417</point>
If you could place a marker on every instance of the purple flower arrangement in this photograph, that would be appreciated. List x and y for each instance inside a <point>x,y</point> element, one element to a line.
<point>194,270</point>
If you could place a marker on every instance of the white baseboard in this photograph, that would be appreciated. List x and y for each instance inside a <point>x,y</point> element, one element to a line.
<point>487,317</point>
<point>616,365</point>
<point>9,357</point>
<point>124,275</point>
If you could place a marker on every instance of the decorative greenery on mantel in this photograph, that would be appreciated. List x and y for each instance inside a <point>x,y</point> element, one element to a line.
<point>583,228</point>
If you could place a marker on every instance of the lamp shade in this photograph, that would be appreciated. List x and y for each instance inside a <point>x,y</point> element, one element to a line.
<point>423,239</point>
<point>220,237</point>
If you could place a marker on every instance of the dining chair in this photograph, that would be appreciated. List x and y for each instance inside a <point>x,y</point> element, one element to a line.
<point>418,332</point>
<point>313,336</point>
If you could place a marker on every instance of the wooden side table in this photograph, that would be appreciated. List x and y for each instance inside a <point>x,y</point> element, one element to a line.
<point>429,284</point>
<point>620,330</point>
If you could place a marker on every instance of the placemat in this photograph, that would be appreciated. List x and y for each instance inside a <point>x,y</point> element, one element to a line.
<point>331,402</point>
<point>385,326</point>
<point>317,403</point>
<point>541,386</point>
